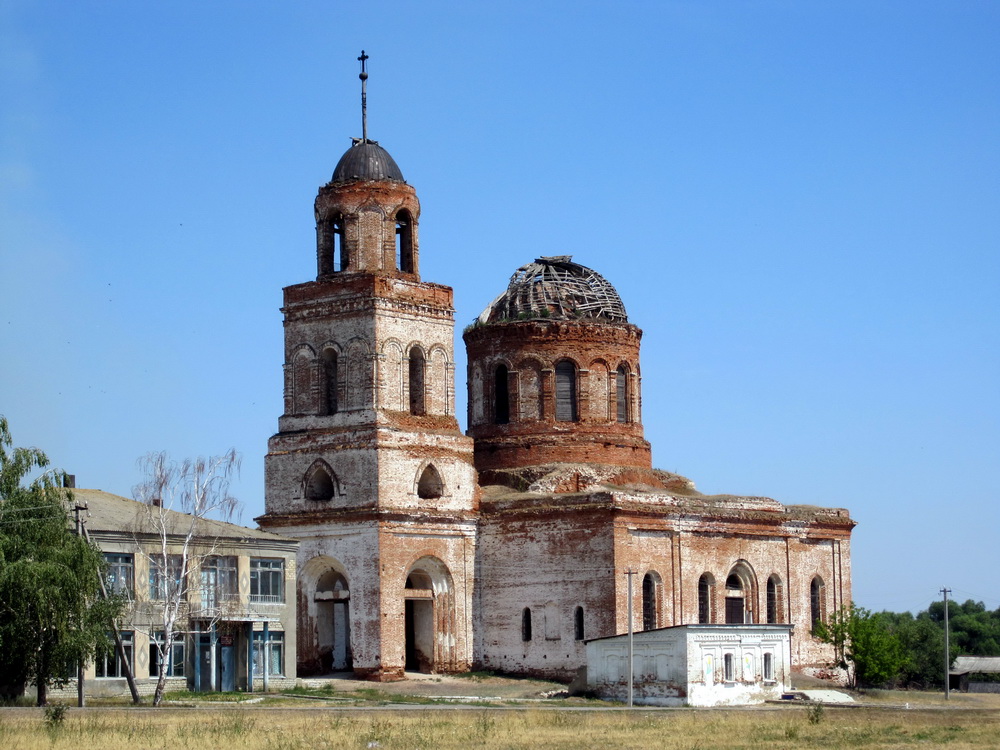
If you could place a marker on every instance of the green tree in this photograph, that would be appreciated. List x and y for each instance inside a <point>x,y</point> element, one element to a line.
<point>51,616</point>
<point>865,645</point>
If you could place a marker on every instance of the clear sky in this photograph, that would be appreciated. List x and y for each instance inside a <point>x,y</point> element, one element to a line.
<point>799,203</point>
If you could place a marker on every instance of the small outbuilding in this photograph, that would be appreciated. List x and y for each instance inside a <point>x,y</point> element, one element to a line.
<point>693,665</point>
<point>975,674</point>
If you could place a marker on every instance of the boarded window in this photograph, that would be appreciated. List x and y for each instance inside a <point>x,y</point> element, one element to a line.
<point>416,381</point>
<point>330,381</point>
<point>501,396</point>
<point>621,394</point>
<point>566,410</point>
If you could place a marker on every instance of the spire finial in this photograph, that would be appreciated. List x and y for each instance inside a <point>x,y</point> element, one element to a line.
<point>364,97</point>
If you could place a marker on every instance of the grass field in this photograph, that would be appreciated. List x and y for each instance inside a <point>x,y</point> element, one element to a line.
<point>264,728</point>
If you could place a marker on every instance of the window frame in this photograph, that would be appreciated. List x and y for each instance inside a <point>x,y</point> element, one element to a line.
<point>120,573</point>
<point>176,654</point>
<point>267,573</point>
<point>275,645</point>
<point>110,657</point>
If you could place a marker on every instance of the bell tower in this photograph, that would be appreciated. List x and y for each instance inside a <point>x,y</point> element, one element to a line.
<point>369,468</point>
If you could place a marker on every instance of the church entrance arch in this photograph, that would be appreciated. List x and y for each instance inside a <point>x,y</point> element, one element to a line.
<point>741,594</point>
<point>325,585</point>
<point>429,614</point>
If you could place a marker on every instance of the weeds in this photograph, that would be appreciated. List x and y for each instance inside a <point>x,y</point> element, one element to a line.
<point>815,713</point>
<point>55,715</point>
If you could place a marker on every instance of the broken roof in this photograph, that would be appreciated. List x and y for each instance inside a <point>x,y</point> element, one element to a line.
<point>555,287</point>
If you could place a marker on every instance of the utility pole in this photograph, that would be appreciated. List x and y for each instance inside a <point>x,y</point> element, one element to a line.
<point>630,573</point>
<point>81,698</point>
<point>947,647</point>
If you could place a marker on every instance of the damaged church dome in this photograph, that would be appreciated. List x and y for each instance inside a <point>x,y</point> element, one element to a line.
<point>556,288</point>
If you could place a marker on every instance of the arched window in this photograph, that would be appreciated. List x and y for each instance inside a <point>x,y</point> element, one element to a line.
<point>566,409</point>
<point>337,246</point>
<point>526,624</point>
<point>650,605</point>
<point>416,381</point>
<point>321,484</point>
<point>302,382</point>
<point>501,396</point>
<point>430,486</point>
<point>817,602</point>
<point>578,633</point>
<point>330,380</point>
<point>404,241</point>
<point>621,393</point>
<point>774,600</point>
<point>706,597</point>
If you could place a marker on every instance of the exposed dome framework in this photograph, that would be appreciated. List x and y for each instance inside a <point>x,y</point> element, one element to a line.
<point>555,287</point>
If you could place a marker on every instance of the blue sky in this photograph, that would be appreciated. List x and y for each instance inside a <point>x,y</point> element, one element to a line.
<point>798,203</point>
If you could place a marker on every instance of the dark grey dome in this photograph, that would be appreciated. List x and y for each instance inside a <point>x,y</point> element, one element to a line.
<point>366,160</point>
<point>556,287</point>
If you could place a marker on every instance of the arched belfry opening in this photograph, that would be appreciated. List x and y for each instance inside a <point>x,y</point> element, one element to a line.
<point>405,255</point>
<point>429,617</point>
<point>416,370</point>
<point>331,374</point>
<point>321,483</point>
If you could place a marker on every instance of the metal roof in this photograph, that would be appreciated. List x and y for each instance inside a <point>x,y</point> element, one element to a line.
<point>555,287</point>
<point>366,160</point>
<point>965,664</point>
<point>113,513</point>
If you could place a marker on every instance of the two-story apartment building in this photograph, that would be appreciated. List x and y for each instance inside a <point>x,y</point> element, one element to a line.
<point>235,628</point>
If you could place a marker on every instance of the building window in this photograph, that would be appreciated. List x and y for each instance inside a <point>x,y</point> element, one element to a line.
<point>404,241</point>
<point>768,666</point>
<point>267,580</point>
<point>728,668</point>
<point>270,652</point>
<point>430,486</point>
<point>501,396</point>
<point>526,624</point>
<point>774,607</point>
<point>330,381</point>
<point>338,248</point>
<point>166,584</point>
<point>120,574</point>
<point>321,484</point>
<point>650,605</point>
<point>172,659</point>
<point>621,393</point>
<point>817,603</point>
<point>578,632</point>
<point>566,410</point>
<point>735,600</point>
<point>108,663</point>
<point>706,603</point>
<point>218,581</point>
<point>416,381</point>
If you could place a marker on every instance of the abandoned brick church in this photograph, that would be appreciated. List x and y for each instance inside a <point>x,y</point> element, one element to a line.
<point>423,548</point>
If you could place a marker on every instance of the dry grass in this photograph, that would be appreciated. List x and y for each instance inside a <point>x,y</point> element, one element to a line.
<point>319,729</point>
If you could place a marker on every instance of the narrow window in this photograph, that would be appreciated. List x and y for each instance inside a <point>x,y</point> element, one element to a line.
<point>621,393</point>
<point>705,591</point>
<point>578,633</point>
<point>341,260</point>
<point>501,396</point>
<point>404,241</point>
<point>768,666</point>
<point>773,599</point>
<point>649,603</point>
<point>526,624</point>
<point>416,381</point>
<point>727,668</point>
<point>430,486</point>
<point>735,600</point>
<point>330,380</point>
<point>816,603</point>
<point>566,392</point>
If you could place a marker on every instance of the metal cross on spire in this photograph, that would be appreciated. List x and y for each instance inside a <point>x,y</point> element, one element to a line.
<point>364,97</point>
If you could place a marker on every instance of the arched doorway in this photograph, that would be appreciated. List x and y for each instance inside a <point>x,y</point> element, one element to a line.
<point>332,598</point>
<point>429,617</point>
<point>741,594</point>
